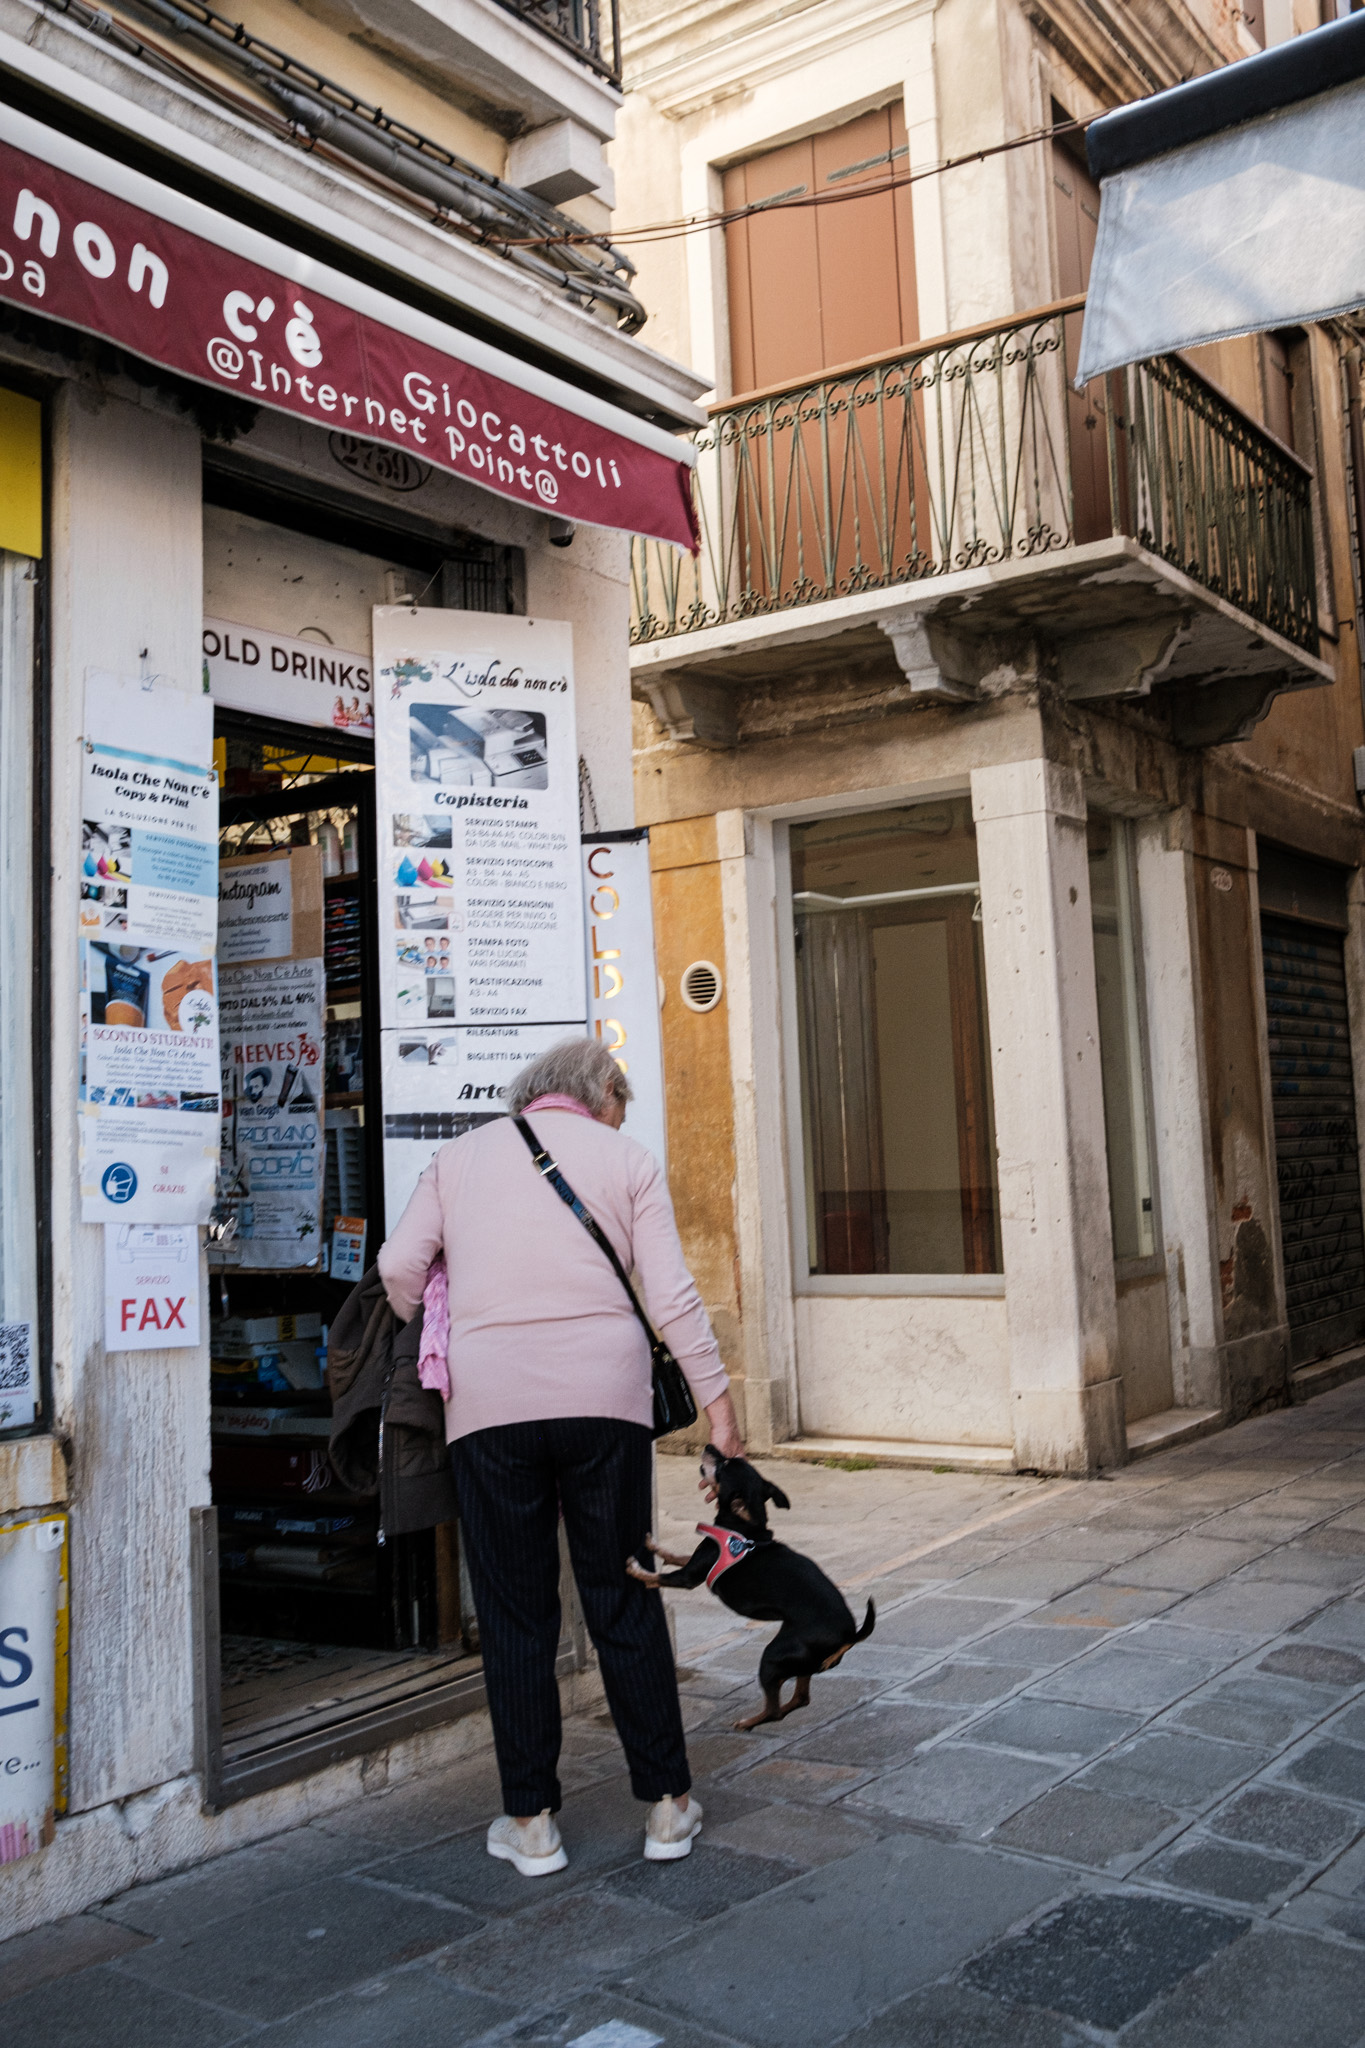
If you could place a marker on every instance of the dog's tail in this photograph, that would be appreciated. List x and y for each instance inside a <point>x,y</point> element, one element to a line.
<point>869,1623</point>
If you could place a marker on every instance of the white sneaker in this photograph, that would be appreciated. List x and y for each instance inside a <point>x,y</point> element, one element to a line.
<point>669,1830</point>
<point>535,1850</point>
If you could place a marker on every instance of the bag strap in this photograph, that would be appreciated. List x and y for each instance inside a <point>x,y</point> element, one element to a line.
<point>548,1170</point>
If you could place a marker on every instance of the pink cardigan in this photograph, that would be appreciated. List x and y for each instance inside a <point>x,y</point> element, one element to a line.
<point>539,1324</point>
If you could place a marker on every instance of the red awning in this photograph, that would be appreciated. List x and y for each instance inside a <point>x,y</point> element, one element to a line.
<point>91,243</point>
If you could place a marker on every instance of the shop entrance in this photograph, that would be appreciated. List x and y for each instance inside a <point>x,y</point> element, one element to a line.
<point>1312,1085</point>
<point>320,1639</point>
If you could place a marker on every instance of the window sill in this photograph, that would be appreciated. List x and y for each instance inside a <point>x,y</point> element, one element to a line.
<point>989,1286</point>
<point>1153,1268</point>
<point>32,1474</point>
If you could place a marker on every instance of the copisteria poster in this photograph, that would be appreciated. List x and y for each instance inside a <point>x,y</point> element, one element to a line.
<point>148,931</point>
<point>481,902</point>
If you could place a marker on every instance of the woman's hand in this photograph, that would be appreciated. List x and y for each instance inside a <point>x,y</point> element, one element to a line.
<point>720,1414</point>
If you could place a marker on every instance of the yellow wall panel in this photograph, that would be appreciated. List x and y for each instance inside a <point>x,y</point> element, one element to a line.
<point>21,474</point>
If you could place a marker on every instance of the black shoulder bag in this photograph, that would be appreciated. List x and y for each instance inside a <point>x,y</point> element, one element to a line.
<point>674,1407</point>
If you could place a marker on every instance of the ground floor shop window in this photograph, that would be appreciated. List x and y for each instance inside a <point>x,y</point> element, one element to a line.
<point>21,1403</point>
<point>898,1131</point>
<point>1113,909</point>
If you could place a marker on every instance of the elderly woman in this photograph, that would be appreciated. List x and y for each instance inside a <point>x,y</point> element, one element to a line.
<point>551,1409</point>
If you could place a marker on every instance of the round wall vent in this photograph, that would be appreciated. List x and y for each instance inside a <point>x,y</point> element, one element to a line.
<point>701,985</point>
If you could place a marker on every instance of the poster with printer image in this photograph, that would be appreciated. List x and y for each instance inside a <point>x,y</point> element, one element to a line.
<point>476,759</point>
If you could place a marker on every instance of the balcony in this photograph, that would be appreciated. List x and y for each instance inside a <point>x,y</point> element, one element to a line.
<point>957,516</point>
<point>589,29</point>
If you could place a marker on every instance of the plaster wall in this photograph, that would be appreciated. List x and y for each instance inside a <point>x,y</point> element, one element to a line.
<point>1144,1345</point>
<point>910,1369</point>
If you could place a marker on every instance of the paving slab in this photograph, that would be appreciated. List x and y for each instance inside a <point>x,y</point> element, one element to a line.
<point>1052,1728</point>
<point>796,1833</point>
<point>1342,1624</point>
<point>968,1685</point>
<point>312,1942</point>
<point>803,1969</point>
<point>700,1885</point>
<point>1128,1680</point>
<point>103,2008</point>
<point>1333,1768</point>
<point>1088,1827</point>
<point>1321,1912</point>
<point>1103,1959</point>
<point>957,1785</point>
<point>790,1777</point>
<point>1097,1543</point>
<point>1180,1770</point>
<point>951,2016</point>
<point>409,2009</point>
<point>1247,1877</point>
<point>1168,1637</point>
<point>874,1735</point>
<point>1041,1648</point>
<point>1306,1565</point>
<point>1295,1822</point>
<point>1028,1578</point>
<point>1315,1664</point>
<point>423,1809</point>
<point>610,2020</point>
<point>1249,1607</point>
<point>1260,1993</point>
<point>234,1883</point>
<point>1109,1602</point>
<point>1187,1563</point>
<point>60,1949</point>
<point>939,1621</point>
<point>553,1950</point>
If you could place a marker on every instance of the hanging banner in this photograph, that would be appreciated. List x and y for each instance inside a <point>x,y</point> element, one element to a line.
<point>148,923</point>
<point>34,1612</point>
<point>623,980</point>
<point>90,242</point>
<point>273,1037</point>
<point>151,1286</point>
<point>249,668</point>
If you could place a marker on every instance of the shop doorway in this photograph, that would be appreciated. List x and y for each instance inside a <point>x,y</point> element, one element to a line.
<point>319,1640</point>
<point>1312,1087</point>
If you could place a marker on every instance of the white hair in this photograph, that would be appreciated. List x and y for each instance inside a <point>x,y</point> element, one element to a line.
<point>579,1067</point>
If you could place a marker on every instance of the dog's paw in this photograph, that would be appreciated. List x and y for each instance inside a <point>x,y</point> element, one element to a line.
<point>635,1570</point>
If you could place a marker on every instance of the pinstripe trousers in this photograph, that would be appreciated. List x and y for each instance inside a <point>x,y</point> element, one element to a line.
<point>512,1483</point>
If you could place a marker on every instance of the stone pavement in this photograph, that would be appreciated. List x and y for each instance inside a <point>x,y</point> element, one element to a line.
<point>1099,1776</point>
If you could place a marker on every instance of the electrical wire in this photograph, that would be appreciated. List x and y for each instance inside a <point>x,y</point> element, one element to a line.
<point>704,223</point>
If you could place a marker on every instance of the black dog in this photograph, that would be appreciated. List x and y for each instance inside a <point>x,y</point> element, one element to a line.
<point>760,1578</point>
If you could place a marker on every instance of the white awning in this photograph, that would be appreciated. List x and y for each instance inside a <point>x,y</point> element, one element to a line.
<point>1257,221</point>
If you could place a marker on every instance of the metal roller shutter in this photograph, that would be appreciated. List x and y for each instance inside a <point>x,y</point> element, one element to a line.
<point>1317,1157</point>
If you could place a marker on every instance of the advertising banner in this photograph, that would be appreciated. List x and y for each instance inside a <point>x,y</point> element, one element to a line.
<point>249,668</point>
<point>102,247</point>
<point>480,889</point>
<point>148,923</point>
<point>273,1039</point>
<point>151,1286</point>
<point>623,980</point>
<point>33,1683</point>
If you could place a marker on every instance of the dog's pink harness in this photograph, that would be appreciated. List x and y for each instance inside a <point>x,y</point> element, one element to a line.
<point>733,1549</point>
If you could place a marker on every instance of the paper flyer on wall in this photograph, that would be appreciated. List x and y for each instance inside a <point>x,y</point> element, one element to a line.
<point>151,1286</point>
<point>438,1084</point>
<point>148,923</point>
<point>273,1036</point>
<point>480,890</point>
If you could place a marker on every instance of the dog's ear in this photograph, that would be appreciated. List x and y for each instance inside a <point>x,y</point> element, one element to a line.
<point>775,1495</point>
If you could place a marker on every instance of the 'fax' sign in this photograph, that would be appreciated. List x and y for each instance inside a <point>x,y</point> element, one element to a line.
<point>151,1286</point>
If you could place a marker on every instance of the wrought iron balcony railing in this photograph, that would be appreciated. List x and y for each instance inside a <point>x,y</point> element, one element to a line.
<point>976,450</point>
<point>590,28</point>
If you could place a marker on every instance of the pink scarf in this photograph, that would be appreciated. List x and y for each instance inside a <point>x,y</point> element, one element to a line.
<point>433,1361</point>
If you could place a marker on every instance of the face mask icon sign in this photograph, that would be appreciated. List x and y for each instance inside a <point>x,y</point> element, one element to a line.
<point>119,1183</point>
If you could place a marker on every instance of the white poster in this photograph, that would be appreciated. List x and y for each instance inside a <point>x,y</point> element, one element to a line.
<point>148,922</point>
<point>273,1040</point>
<point>623,980</point>
<point>307,682</point>
<point>149,816</point>
<point>33,1607</point>
<point>256,910</point>
<point>438,1084</point>
<point>151,1286</point>
<point>480,889</point>
<point>18,1375</point>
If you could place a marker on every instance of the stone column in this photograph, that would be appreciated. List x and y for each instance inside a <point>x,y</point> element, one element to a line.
<point>1065,1392</point>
